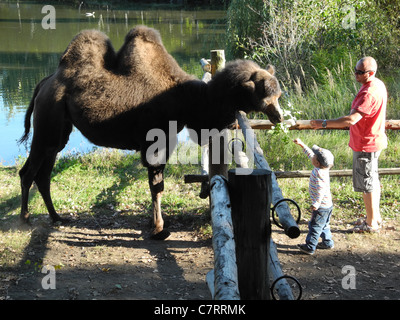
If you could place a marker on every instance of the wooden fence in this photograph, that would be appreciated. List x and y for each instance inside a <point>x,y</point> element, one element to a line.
<point>305,125</point>
<point>234,242</point>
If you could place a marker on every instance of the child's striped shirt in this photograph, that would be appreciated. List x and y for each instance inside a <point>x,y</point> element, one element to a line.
<point>319,185</point>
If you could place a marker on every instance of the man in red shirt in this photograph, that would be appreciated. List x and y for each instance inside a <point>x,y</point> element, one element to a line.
<point>367,138</point>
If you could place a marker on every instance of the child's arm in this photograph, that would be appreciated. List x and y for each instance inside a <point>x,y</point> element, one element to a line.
<point>306,149</point>
<point>299,142</point>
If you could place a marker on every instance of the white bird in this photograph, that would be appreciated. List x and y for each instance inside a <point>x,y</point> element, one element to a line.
<point>88,14</point>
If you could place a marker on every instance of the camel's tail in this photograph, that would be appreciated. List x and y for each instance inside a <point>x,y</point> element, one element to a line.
<point>29,111</point>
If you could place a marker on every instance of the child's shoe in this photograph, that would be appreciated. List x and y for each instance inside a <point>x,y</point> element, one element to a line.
<point>303,248</point>
<point>322,245</point>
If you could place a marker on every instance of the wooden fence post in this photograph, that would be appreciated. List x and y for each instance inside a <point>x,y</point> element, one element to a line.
<point>217,60</point>
<point>219,166</point>
<point>250,194</point>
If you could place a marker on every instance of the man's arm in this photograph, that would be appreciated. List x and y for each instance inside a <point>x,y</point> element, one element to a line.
<point>345,121</point>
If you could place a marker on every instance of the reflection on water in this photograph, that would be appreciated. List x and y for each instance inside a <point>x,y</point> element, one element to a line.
<point>28,52</point>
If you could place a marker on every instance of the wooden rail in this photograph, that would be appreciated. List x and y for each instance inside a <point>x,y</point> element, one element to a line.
<point>305,125</point>
<point>192,178</point>
<point>332,173</point>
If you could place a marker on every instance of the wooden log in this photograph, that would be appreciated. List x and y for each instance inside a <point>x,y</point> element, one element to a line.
<point>217,163</point>
<point>332,173</point>
<point>283,211</point>
<point>305,125</point>
<point>250,196</point>
<point>210,282</point>
<point>205,185</point>
<point>225,269</point>
<point>282,287</point>
<point>192,178</point>
<point>239,156</point>
<point>205,65</point>
<point>218,155</point>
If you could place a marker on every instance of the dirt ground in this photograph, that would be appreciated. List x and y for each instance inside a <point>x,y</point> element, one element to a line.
<point>110,256</point>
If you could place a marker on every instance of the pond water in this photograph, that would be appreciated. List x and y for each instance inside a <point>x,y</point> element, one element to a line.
<point>32,43</point>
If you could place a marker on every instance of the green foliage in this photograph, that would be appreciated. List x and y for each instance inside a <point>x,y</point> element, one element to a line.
<point>243,20</point>
<point>302,38</point>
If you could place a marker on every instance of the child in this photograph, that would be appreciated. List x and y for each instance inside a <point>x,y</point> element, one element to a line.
<point>321,199</point>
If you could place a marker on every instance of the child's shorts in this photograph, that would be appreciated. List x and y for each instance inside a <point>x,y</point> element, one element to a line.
<point>365,171</point>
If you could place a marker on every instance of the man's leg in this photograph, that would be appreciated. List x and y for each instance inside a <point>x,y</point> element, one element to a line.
<point>366,180</point>
<point>371,202</point>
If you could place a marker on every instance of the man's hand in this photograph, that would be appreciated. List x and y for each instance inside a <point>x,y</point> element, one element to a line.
<point>316,124</point>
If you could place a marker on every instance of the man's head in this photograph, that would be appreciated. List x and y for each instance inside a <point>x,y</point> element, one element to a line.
<point>365,69</point>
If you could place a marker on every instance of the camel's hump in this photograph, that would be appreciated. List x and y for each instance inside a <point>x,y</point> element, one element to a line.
<point>94,47</point>
<point>87,46</point>
<point>146,33</point>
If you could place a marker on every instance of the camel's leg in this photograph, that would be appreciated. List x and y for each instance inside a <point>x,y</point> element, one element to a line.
<point>48,139</point>
<point>42,180</point>
<point>27,173</point>
<point>43,177</point>
<point>156,182</point>
<point>36,168</point>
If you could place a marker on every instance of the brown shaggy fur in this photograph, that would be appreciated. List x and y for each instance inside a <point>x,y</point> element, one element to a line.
<point>116,82</point>
<point>115,98</point>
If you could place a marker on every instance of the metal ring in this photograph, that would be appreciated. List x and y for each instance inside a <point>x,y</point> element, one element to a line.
<point>289,277</point>
<point>276,204</point>
<point>230,144</point>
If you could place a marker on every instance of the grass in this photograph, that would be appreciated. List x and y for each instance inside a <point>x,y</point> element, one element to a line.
<point>103,178</point>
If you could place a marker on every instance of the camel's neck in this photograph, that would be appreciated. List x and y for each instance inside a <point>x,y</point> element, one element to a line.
<point>201,111</point>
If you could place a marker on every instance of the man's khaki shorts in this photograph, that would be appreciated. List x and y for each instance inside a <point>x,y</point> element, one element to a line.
<point>365,171</point>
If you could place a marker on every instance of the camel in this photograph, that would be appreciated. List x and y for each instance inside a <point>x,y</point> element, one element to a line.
<point>115,98</point>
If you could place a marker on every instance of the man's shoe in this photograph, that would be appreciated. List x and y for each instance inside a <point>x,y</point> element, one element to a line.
<point>365,228</point>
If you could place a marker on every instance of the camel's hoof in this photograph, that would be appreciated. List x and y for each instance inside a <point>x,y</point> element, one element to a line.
<point>61,221</point>
<point>162,235</point>
<point>24,223</point>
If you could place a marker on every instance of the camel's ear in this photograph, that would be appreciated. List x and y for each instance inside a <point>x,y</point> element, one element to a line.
<point>270,69</point>
<point>250,85</point>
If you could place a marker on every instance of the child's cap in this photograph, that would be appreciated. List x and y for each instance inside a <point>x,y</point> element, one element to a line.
<point>324,156</point>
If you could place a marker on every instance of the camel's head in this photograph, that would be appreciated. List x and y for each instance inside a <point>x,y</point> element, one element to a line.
<point>251,88</point>
<point>265,92</point>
